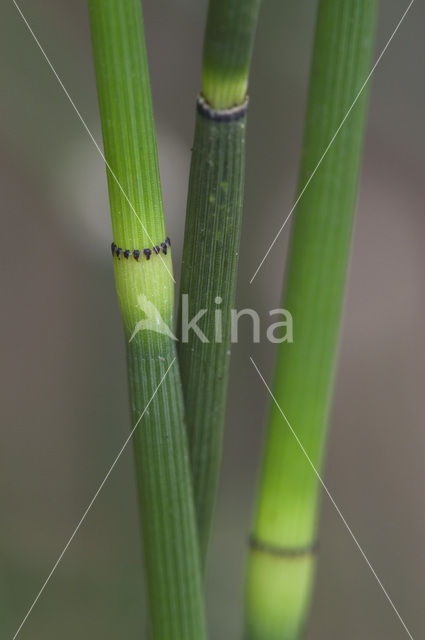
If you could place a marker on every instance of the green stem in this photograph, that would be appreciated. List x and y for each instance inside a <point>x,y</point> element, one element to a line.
<point>211,243</point>
<point>209,270</point>
<point>281,559</point>
<point>145,293</point>
<point>228,44</point>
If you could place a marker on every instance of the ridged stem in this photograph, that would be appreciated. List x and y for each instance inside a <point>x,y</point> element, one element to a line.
<point>211,242</point>
<point>145,292</point>
<point>228,44</point>
<point>281,559</point>
<point>209,271</point>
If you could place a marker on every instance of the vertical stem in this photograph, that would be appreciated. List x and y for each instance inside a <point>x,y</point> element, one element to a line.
<point>145,292</point>
<point>282,554</point>
<point>211,243</point>
<point>228,45</point>
<point>209,272</point>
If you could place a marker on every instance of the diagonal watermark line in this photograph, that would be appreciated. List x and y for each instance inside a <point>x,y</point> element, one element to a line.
<point>93,139</point>
<point>332,501</point>
<point>102,484</point>
<point>332,140</point>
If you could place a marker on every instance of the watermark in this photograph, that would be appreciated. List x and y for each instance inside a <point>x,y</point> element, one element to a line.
<point>278,329</point>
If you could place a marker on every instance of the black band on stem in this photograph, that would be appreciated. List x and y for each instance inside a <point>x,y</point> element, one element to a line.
<point>117,252</point>
<point>282,552</point>
<point>221,115</point>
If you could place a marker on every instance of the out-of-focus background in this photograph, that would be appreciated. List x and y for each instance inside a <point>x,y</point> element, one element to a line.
<point>63,390</point>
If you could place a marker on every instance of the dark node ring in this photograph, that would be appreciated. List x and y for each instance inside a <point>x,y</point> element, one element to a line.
<point>221,115</point>
<point>282,552</point>
<point>117,252</point>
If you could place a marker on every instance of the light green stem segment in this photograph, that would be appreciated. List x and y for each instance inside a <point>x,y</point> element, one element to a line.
<point>127,122</point>
<point>228,44</point>
<point>145,294</point>
<point>279,578</point>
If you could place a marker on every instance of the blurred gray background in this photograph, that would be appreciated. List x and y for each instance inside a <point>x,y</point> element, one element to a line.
<point>64,404</point>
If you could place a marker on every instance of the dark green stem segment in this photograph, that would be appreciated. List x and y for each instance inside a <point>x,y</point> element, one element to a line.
<point>228,44</point>
<point>278,586</point>
<point>211,242</point>
<point>209,272</point>
<point>145,293</point>
<point>171,548</point>
<point>165,492</point>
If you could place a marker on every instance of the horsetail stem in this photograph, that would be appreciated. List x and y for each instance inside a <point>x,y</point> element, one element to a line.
<point>212,236</point>
<point>228,44</point>
<point>281,557</point>
<point>145,292</point>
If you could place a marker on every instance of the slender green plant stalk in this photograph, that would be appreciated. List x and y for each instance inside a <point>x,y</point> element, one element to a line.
<point>144,284</point>
<point>228,45</point>
<point>211,243</point>
<point>281,559</point>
